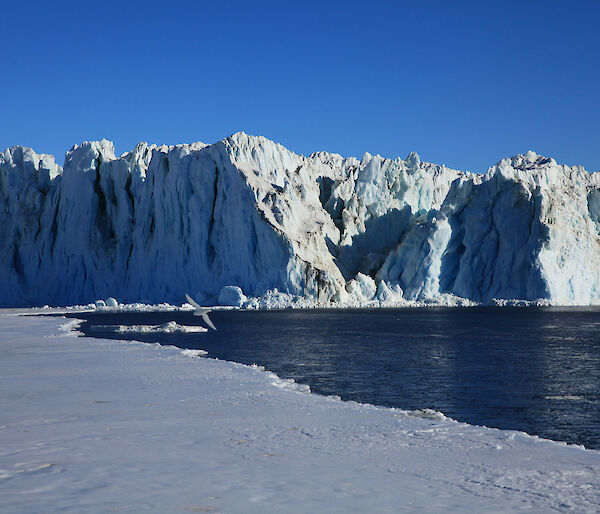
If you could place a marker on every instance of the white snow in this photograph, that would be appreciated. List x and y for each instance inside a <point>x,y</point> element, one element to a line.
<point>90,425</point>
<point>194,353</point>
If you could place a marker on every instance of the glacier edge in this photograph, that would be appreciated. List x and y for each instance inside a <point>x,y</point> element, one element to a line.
<point>160,221</point>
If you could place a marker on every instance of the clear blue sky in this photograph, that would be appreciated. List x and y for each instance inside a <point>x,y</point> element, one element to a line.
<point>461,83</point>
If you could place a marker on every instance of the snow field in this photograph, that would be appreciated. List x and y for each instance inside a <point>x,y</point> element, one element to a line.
<point>95,425</point>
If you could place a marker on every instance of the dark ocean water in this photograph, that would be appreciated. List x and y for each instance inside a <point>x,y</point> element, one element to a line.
<point>530,369</point>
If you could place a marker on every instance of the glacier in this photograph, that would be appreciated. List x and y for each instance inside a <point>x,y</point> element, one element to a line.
<point>248,213</point>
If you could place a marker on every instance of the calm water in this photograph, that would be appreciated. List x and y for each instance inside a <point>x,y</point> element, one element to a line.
<point>530,369</point>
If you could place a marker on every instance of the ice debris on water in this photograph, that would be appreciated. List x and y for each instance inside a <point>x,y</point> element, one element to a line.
<point>164,328</point>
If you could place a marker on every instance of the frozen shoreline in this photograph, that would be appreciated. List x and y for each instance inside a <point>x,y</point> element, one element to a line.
<point>93,425</point>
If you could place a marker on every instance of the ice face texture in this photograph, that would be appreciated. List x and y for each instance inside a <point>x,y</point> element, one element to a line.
<point>158,222</point>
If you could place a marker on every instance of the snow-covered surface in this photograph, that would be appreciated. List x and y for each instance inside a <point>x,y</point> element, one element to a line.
<point>159,222</point>
<point>91,425</point>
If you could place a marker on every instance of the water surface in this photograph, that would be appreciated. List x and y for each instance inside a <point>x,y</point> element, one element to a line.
<point>531,369</point>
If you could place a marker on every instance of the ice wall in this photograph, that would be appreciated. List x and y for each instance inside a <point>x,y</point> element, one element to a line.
<point>526,230</point>
<point>158,222</point>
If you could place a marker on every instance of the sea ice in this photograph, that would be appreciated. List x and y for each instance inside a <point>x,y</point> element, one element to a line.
<point>194,353</point>
<point>92,425</point>
<point>166,328</point>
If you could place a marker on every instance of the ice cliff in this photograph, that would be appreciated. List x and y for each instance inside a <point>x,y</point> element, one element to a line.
<point>158,222</point>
